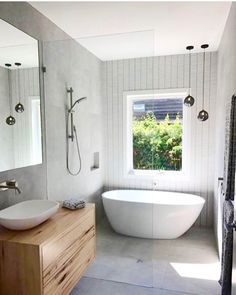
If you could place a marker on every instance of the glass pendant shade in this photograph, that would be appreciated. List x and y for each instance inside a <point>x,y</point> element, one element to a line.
<point>189,101</point>
<point>10,120</point>
<point>19,108</point>
<point>203,115</point>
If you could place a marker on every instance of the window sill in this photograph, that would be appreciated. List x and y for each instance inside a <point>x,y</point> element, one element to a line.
<point>152,174</point>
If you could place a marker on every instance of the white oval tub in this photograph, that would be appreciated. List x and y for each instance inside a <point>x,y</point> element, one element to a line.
<point>151,214</point>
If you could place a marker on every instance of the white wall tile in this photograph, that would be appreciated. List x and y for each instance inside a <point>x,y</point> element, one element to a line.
<point>159,73</point>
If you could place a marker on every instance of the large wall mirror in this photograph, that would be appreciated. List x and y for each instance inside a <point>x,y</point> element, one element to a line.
<point>20,115</point>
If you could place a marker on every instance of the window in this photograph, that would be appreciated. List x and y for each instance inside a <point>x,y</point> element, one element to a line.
<point>154,131</point>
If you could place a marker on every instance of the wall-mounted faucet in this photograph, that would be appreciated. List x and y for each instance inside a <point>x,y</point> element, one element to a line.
<point>9,184</point>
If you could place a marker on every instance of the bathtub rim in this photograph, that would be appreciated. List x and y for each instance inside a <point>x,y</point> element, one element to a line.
<point>199,200</point>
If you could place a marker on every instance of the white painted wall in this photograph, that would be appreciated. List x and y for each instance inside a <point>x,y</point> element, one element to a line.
<point>164,72</point>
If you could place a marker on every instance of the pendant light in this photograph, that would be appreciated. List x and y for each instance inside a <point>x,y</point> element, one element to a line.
<point>189,100</point>
<point>10,120</point>
<point>203,115</point>
<point>19,107</point>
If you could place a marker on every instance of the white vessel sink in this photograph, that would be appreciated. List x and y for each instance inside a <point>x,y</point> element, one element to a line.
<point>27,214</point>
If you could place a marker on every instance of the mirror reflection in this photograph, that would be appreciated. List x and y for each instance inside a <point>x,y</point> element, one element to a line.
<point>20,115</point>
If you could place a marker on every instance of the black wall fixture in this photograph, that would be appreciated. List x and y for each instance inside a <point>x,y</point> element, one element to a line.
<point>10,120</point>
<point>189,100</point>
<point>203,114</point>
<point>19,108</point>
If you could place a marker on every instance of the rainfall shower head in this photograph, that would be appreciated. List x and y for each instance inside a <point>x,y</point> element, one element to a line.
<point>77,101</point>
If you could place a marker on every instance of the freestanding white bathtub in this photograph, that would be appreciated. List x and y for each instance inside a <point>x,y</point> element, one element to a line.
<point>151,214</point>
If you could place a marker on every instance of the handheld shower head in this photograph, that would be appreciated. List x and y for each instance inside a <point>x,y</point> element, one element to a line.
<point>70,113</point>
<point>77,101</point>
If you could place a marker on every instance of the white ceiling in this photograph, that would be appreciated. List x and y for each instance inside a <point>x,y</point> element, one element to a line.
<point>16,46</point>
<point>162,28</point>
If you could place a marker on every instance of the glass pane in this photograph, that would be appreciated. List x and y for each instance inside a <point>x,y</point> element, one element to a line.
<point>124,248</point>
<point>157,133</point>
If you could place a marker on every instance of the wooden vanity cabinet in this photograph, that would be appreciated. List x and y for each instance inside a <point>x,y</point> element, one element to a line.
<point>50,258</point>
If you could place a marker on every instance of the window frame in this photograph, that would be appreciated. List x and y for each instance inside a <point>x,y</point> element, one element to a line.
<point>128,97</point>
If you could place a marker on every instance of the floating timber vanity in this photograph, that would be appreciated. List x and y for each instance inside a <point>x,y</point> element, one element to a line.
<point>50,258</point>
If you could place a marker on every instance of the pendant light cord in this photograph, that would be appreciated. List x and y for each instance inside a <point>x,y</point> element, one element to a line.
<point>189,76</point>
<point>18,64</point>
<point>203,82</point>
<point>19,90</point>
<point>189,48</point>
<point>10,94</point>
<point>210,77</point>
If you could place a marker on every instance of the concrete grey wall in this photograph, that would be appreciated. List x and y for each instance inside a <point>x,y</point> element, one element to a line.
<point>82,71</point>
<point>68,64</point>
<point>226,87</point>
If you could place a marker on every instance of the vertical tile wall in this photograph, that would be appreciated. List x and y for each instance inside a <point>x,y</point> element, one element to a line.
<point>164,72</point>
<point>29,88</point>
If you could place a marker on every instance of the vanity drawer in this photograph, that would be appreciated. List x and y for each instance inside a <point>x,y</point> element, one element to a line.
<point>69,273</point>
<point>59,252</point>
<point>51,258</point>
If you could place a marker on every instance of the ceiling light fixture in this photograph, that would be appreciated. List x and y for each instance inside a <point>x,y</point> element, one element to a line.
<point>10,120</point>
<point>19,107</point>
<point>203,115</point>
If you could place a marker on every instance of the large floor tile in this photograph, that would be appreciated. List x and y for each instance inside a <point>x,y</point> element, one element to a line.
<point>200,279</point>
<point>188,265</point>
<point>122,269</point>
<point>89,286</point>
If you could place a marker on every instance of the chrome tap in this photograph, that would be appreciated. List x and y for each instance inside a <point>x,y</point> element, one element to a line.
<point>9,184</point>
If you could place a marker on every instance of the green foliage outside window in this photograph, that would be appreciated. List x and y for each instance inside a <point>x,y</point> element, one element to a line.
<point>157,145</point>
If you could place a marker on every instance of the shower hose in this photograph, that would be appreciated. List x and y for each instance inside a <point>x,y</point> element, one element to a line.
<point>68,139</point>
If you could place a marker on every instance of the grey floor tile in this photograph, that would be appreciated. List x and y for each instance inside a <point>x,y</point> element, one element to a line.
<point>90,286</point>
<point>188,265</point>
<point>190,278</point>
<point>122,269</point>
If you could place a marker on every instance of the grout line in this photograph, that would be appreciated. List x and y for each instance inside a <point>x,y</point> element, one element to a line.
<point>135,285</point>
